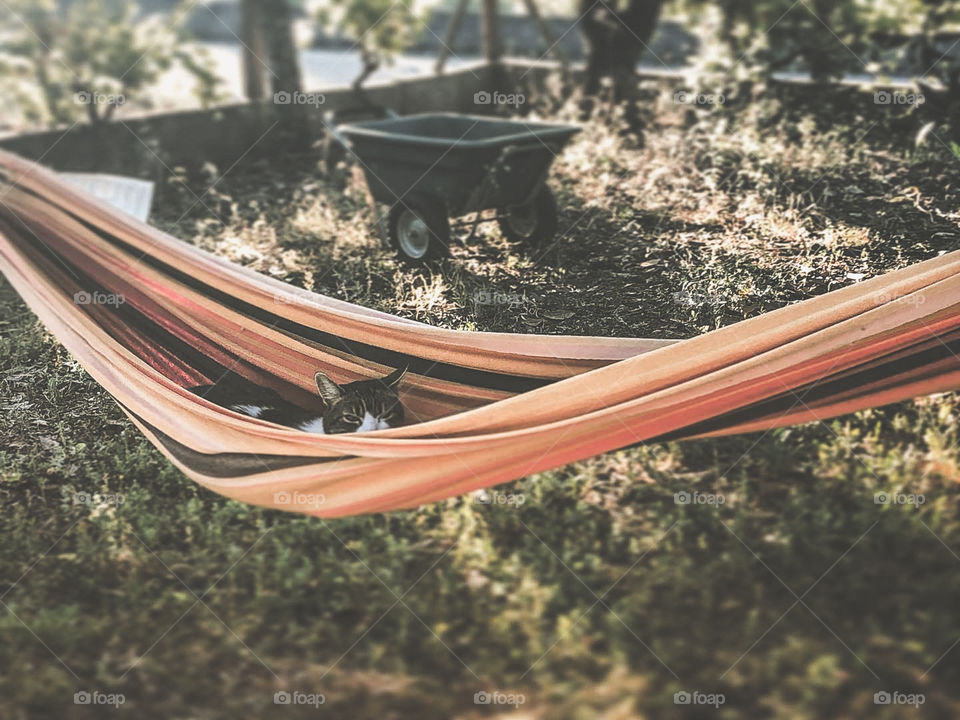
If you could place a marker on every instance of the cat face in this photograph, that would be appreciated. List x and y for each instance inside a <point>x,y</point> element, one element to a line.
<point>361,406</point>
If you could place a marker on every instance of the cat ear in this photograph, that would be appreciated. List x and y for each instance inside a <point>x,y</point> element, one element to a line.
<point>394,378</point>
<point>328,389</point>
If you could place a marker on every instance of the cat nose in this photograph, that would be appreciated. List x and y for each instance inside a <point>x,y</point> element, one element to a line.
<point>382,425</point>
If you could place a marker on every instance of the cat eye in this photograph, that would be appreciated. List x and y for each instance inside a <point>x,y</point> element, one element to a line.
<point>352,419</point>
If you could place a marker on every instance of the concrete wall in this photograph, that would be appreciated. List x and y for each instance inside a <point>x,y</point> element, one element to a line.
<point>146,146</point>
<point>151,145</point>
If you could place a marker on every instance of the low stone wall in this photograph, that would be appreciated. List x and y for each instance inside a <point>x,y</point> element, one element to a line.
<point>150,145</point>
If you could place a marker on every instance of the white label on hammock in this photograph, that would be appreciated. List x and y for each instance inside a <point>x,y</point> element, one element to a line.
<point>131,195</point>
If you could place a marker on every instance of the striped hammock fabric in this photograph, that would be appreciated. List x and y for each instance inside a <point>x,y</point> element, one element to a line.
<point>488,407</point>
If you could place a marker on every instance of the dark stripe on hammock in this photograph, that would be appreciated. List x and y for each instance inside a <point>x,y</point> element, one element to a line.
<point>421,366</point>
<point>227,465</point>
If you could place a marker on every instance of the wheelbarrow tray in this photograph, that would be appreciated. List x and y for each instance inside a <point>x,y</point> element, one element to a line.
<point>451,157</point>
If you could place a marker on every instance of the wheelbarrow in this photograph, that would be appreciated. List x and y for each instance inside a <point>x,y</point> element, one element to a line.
<point>435,166</point>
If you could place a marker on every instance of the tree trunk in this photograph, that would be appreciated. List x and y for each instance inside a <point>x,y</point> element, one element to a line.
<point>285,70</point>
<point>615,41</point>
<point>254,69</point>
<point>446,47</point>
<point>553,44</point>
<point>491,31</point>
<point>594,24</point>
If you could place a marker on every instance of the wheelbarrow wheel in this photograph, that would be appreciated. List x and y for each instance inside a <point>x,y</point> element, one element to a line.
<point>419,231</point>
<point>534,223</point>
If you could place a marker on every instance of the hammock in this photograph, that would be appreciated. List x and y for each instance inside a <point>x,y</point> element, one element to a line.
<point>489,407</point>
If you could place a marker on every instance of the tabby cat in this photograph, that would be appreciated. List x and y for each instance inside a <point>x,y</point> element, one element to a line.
<point>359,406</point>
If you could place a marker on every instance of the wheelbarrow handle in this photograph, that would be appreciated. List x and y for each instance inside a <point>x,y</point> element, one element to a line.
<point>329,123</point>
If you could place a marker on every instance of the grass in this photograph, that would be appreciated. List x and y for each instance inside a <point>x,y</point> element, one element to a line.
<point>793,593</point>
